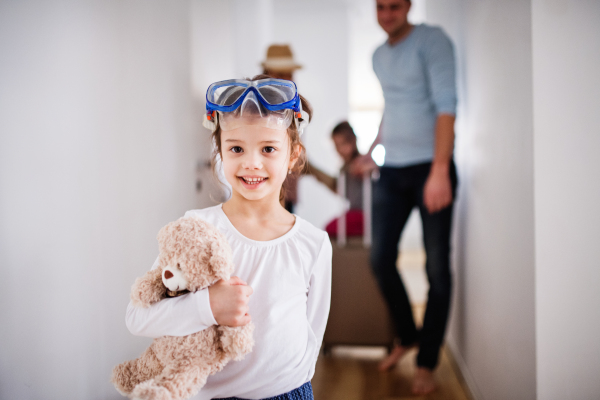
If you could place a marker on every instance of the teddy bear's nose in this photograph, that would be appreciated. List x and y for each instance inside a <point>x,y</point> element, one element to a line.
<point>168,274</point>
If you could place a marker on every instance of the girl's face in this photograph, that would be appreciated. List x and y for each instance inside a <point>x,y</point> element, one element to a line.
<point>256,160</point>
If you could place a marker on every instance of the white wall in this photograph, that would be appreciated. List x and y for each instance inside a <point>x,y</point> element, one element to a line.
<point>529,87</point>
<point>97,151</point>
<point>492,327</point>
<point>566,93</point>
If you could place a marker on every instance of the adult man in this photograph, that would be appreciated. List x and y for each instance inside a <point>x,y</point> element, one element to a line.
<point>415,67</point>
<point>280,64</point>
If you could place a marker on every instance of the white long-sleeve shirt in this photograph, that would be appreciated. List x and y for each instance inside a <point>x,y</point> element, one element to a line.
<point>291,278</point>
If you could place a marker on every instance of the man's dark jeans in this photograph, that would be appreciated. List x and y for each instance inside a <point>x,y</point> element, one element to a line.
<point>396,193</point>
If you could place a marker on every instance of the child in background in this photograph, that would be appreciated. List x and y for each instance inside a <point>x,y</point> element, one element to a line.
<point>344,138</point>
<point>282,262</point>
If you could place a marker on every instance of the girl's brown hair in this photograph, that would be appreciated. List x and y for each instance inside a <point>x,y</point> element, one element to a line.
<point>293,135</point>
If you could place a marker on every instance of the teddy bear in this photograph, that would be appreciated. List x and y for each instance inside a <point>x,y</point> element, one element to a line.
<point>193,255</point>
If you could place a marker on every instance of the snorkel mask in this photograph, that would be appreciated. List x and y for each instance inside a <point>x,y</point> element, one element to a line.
<point>272,103</point>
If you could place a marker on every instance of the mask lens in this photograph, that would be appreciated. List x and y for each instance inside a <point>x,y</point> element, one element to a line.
<point>226,95</point>
<point>276,93</point>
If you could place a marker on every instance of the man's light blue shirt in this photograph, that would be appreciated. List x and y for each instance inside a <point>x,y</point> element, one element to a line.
<point>417,76</point>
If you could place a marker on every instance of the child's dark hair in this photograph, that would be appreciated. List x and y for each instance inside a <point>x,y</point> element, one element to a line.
<point>293,134</point>
<point>344,128</point>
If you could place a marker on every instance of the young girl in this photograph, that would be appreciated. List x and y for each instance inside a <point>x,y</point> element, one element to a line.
<point>344,139</point>
<point>282,262</point>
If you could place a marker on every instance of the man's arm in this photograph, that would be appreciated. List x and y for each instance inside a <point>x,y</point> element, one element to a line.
<point>437,193</point>
<point>439,58</point>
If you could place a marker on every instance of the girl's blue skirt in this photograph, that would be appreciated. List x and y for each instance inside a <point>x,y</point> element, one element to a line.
<point>304,392</point>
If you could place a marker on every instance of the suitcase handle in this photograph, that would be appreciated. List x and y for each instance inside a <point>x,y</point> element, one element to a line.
<point>367,196</point>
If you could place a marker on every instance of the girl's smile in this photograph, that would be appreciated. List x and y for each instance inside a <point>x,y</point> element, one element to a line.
<point>252,182</point>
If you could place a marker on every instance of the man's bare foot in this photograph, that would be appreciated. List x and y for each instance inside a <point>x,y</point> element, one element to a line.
<point>424,382</point>
<point>392,359</point>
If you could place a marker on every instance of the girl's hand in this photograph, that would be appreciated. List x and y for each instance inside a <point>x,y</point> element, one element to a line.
<point>229,301</point>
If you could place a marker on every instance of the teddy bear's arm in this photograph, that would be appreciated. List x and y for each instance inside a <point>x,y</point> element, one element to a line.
<point>238,341</point>
<point>148,289</point>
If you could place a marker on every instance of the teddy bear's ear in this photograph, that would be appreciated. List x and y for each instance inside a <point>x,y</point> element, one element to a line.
<point>221,258</point>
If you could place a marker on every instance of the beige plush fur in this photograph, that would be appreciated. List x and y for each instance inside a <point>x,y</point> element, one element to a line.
<point>176,368</point>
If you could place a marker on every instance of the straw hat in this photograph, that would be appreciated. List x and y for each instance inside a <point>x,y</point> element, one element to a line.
<point>280,58</point>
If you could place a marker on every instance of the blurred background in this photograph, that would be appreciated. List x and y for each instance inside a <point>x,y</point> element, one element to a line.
<point>101,144</point>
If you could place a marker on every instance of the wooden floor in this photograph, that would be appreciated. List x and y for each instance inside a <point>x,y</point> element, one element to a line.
<point>350,373</point>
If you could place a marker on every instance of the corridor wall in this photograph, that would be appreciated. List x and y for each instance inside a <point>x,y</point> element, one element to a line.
<point>492,326</point>
<point>566,93</point>
<point>98,149</point>
<point>525,322</point>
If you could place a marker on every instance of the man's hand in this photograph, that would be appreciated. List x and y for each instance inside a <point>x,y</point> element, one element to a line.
<point>229,301</point>
<point>437,193</point>
<point>362,165</point>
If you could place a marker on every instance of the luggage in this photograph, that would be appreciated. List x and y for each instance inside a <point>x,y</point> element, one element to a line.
<point>358,314</point>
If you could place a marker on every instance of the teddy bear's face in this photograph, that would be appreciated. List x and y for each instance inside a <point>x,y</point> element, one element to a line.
<point>193,255</point>
<point>173,278</point>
